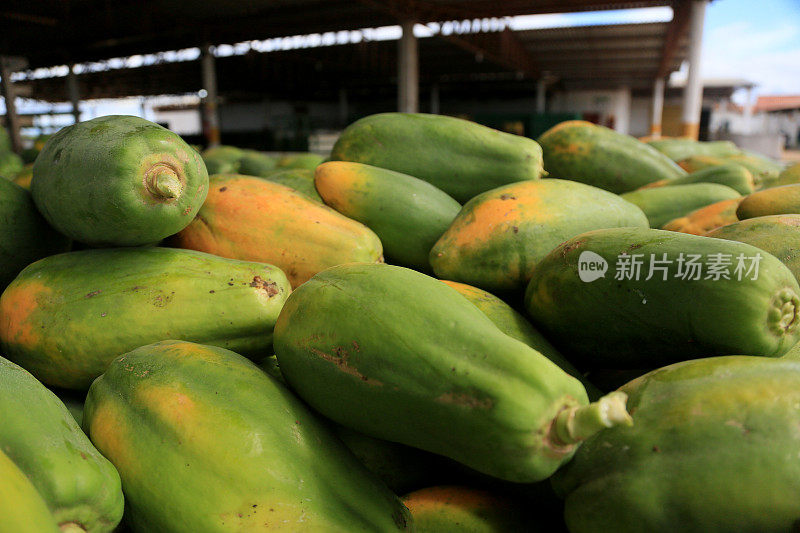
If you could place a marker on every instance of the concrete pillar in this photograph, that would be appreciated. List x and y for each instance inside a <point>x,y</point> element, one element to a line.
<point>12,120</point>
<point>344,112</point>
<point>72,92</point>
<point>748,111</point>
<point>541,92</point>
<point>408,70</point>
<point>622,110</point>
<point>210,111</point>
<point>658,108</point>
<point>435,99</point>
<point>693,92</point>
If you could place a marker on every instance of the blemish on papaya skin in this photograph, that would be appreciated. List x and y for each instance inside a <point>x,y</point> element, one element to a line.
<point>340,360</point>
<point>567,248</point>
<point>268,286</point>
<point>465,400</point>
<point>93,293</point>
<point>223,189</point>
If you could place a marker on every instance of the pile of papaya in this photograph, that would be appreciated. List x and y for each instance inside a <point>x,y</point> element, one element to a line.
<point>437,327</point>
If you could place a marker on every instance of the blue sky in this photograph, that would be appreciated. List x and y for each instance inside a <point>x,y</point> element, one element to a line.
<point>757,40</point>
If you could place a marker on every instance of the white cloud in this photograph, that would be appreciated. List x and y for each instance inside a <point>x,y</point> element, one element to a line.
<point>767,57</point>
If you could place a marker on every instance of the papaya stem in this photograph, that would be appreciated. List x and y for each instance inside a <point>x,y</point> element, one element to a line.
<point>576,424</point>
<point>162,181</point>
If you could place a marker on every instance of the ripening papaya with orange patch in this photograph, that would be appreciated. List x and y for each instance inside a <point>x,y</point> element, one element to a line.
<point>205,441</point>
<point>703,220</point>
<point>408,214</point>
<point>256,220</point>
<point>19,312</point>
<point>499,236</point>
<point>783,200</point>
<point>463,509</point>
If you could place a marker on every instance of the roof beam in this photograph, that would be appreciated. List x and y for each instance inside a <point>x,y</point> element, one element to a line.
<point>675,32</point>
<point>502,48</point>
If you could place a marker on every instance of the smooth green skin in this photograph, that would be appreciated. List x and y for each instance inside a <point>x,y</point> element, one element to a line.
<point>460,157</point>
<point>410,360</point>
<point>106,302</point>
<point>601,157</point>
<point>408,214</point>
<point>40,435</point>
<point>643,323</point>
<point>89,182</point>
<point>209,443</point>
<point>789,176</point>
<point>222,159</point>
<point>773,201</point>
<point>765,170</point>
<point>556,211</point>
<point>513,324</point>
<point>733,175</point>
<point>776,234</point>
<point>713,448</point>
<point>22,508</point>
<point>663,204</point>
<point>24,235</point>
<point>401,467</point>
<point>680,149</point>
<point>299,179</point>
<point>254,163</point>
<point>307,161</point>
<point>10,165</point>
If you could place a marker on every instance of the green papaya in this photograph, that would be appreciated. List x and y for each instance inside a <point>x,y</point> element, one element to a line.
<point>24,235</point>
<point>701,221</point>
<point>638,298</point>
<point>10,165</point>
<point>664,204</point>
<point>513,324</point>
<point>22,508</point>
<point>255,163</point>
<point>434,378</point>
<point>222,159</point>
<point>713,449</point>
<point>67,316</point>
<point>460,157</point>
<point>777,234</point>
<point>408,214</point>
<point>734,176</point>
<point>305,160</point>
<point>679,149</point>
<point>205,441</point>
<point>788,176</point>
<point>299,179</point>
<point>764,169</point>
<point>498,236</point>
<point>80,487</point>
<point>401,467</point>
<point>457,509</point>
<point>118,181</point>
<point>581,151</point>
<point>773,201</point>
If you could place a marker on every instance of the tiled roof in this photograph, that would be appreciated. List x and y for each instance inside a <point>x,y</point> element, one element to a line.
<point>777,103</point>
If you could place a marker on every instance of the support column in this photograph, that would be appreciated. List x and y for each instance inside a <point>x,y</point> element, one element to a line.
<point>693,92</point>
<point>12,120</point>
<point>435,99</point>
<point>210,111</point>
<point>748,111</point>
<point>408,70</point>
<point>622,110</point>
<point>658,108</point>
<point>72,92</point>
<point>541,91</point>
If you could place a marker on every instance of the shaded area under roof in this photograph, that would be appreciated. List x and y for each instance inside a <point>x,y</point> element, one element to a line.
<point>52,32</point>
